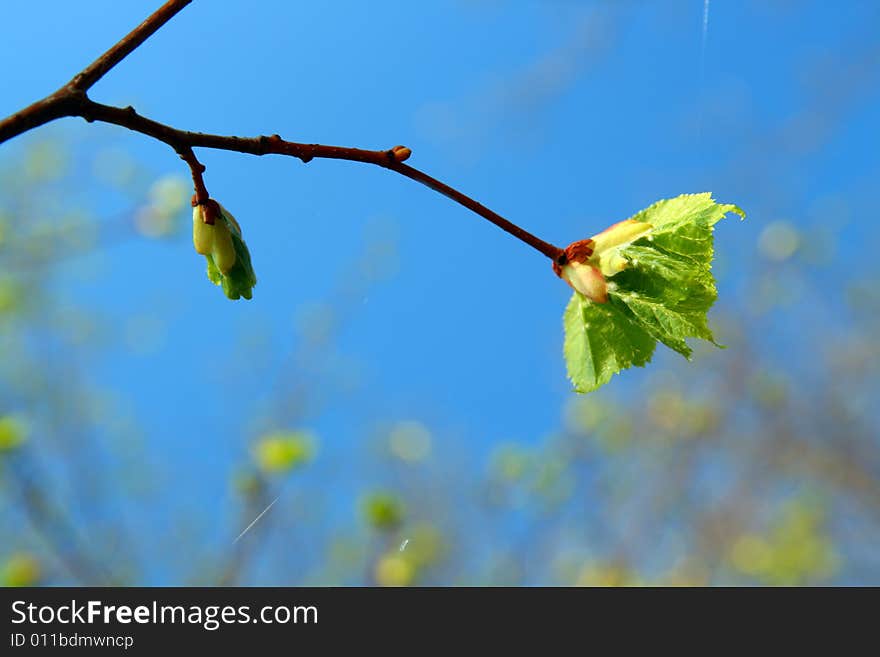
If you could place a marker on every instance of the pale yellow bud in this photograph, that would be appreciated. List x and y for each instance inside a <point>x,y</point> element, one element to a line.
<point>623,232</point>
<point>606,244</point>
<point>223,250</point>
<point>586,279</point>
<point>203,234</point>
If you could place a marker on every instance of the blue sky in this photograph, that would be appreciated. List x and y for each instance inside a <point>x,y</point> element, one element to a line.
<point>563,116</point>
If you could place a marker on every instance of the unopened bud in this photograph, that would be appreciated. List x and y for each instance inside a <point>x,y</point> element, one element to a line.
<point>203,233</point>
<point>222,250</point>
<point>586,279</point>
<point>229,262</point>
<point>401,153</point>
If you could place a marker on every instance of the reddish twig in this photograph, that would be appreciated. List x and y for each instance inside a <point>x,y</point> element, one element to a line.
<point>197,169</point>
<point>551,251</point>
<point>125,46</point>
<point>60,103</point>
<point>72,100</point>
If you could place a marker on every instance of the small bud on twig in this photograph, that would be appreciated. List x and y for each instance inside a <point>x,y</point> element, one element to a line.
<point>220,241</point>
<point>401,153</point>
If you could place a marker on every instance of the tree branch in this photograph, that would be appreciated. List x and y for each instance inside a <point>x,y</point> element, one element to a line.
<point>97,69</point>
<point>59,533</point>
<point>72,100</point>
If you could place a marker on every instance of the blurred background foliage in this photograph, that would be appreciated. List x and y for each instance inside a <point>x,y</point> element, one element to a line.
<point>756,464</point>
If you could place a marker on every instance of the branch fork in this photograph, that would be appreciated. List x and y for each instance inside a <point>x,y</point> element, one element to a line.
<point>72,100</point>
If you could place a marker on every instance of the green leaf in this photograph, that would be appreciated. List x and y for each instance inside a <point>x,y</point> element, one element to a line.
<point>600,340</point>
<point>662,290</point>
<point>214,274</point>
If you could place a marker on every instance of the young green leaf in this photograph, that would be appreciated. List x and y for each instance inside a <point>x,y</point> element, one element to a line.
<point>656,285</point>
<point>601,340</point>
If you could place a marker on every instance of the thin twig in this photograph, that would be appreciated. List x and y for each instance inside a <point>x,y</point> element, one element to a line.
<point>97,69</point>
<point>72,101</point>
<point>196,168</point>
